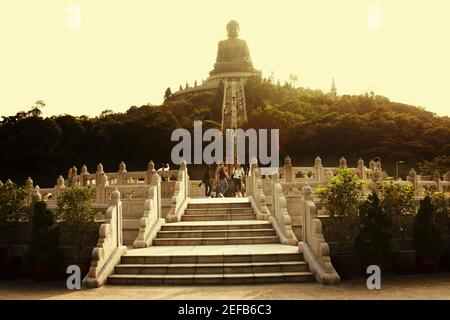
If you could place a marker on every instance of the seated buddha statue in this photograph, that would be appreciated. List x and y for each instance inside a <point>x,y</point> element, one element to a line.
<point>233,53</point>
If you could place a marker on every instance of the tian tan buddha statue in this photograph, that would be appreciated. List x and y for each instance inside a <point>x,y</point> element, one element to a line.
<point>233,53</point>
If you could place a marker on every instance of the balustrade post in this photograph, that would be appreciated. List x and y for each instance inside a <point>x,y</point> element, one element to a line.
<point>29,187</point>
<point>150,171</point>
<point>121,173</point>
<point>83,176</point>
<point>288,169</point>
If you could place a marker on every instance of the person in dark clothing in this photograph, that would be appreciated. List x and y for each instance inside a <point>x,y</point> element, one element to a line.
<point>207,181</point>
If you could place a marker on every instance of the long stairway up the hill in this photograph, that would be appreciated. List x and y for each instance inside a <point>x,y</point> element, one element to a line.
<point>217,241</point>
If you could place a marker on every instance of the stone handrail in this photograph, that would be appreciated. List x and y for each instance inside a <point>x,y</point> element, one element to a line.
<point>314,248</point>
<point>280,216</point>
<point>180,197</point>
<point>106,254</point>
<point>151,220</point>
<point>255,190</point>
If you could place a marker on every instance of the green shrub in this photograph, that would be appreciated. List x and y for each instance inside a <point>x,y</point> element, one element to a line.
<point>375,230</point>
<point>428,239</point>
<point>397,200</point>
<point>77,217</point>
<point>12,211</point>
<point>43,249</point>
<point>341,198</point>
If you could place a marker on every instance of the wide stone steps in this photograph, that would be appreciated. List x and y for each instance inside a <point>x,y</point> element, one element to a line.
<point>218,217</point>
<point>215,241</point>
<point>238,278</point>
<point>235,225</point>
<point>217,233</point>
<point>211,269</point>
<point>220,211</point>
<point>216,205</point>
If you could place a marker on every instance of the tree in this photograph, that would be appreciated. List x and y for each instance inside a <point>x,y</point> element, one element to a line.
<point>428,239</point>
<point>74,209</point>
<point>440,164</point>
<point>12,211</point>
<point>397,201</point>
<point>167,94</point>
<point>341,199</point>
<point>375,230</point>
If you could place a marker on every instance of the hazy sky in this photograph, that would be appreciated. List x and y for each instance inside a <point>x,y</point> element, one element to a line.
<point>128,52</point>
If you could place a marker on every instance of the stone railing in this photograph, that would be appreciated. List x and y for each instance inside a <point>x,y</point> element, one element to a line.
<point>314,248</point>
<point>280,216</point>
<point>180,197</point>
<point>151,220</point>
<point>256,192</point>
<point>106,254</point>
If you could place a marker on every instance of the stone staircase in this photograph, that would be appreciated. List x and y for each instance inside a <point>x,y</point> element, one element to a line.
<point>216,241</point>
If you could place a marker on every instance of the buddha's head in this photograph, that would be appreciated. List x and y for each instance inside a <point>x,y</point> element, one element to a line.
<point>233,29</point>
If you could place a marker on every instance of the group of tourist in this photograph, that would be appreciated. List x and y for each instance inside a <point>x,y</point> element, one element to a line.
<point>216,181</point>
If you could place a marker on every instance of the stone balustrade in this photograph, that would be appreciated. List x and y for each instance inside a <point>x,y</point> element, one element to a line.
<point>314,247</point>
<point>109,249</point>
<point>255,190</point>
<point>151,220</point>
<point>280,217</point>
<point>180,196</point>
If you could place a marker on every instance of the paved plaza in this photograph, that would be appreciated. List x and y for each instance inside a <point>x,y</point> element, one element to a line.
<point>417,286</point>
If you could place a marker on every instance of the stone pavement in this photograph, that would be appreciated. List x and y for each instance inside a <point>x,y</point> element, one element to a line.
<point>417,286</point>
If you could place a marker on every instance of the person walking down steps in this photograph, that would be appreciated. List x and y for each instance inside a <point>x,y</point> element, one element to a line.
<point>238,174</point>
<point>207,181</point>
<point>223,183</point>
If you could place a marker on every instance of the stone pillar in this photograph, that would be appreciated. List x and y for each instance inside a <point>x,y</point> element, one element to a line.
<point>437,179</point>
<point>121,175</point>
<point>361,169</point>
<point>156,181</point>
<point>412,177</point>
<point>319,169</point>
<point>73,176</point>
<point>150,171</point>
<point>60,185</point>
<point>36,195</point>
<point>101,189</point>
<point>287,169</point>
<point>83,174</point>
<point>30,189</point>
<point>342,163</point>
<point>99,174</point>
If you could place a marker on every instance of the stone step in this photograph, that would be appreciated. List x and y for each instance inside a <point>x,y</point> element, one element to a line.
<point>216,233</point>
<point>235,278</point>
<point>218,217</point>
<point>212,258</point>
<point>212,268</point>
<point>185,226</point>
<point>205,211</point>
<point>214,241</point>
<point>217,205</point>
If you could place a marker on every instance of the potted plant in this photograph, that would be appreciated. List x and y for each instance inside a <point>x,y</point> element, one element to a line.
<point>341,199</point>
<point>74,210</point>
<point>373,242</point>
<point>12,212</point>
<point>397,200</point>
<point>428,238</point>
<point>43,256</point>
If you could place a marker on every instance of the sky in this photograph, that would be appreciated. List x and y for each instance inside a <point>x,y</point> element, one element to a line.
<point>116,54</point>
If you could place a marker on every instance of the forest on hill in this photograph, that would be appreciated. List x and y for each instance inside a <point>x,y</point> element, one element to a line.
<point>311,123</point>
